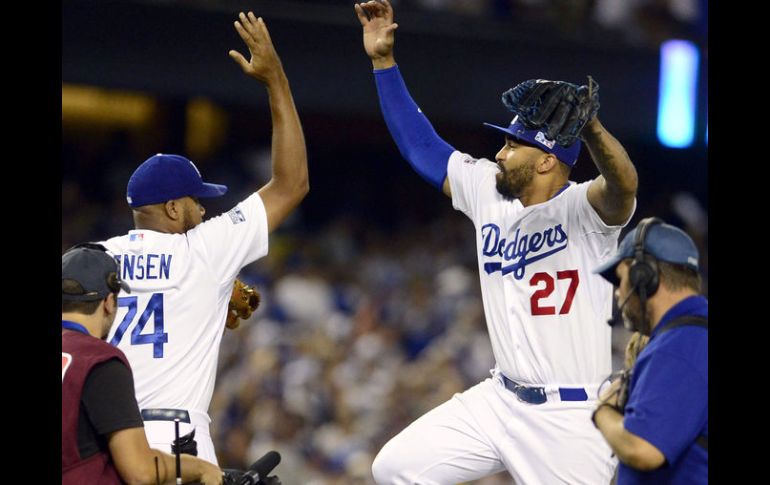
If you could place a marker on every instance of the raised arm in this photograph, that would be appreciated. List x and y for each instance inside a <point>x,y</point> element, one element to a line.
<point>415,137</point>
<point>289,183</point>
<point>611,193</point>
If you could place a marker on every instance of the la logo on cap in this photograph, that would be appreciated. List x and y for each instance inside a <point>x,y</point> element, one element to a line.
<point>540,137</point>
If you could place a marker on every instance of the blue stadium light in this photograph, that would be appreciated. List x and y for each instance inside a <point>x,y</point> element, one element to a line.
<point>676,105</point>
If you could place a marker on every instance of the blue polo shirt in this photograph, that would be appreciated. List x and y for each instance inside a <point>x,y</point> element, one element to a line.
<point>668,399</point>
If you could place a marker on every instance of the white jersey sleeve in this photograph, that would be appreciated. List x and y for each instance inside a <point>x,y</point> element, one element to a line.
<point>600,237</point>
<point>468,177</point>
<point>586,215</point>
<point>234,239</point>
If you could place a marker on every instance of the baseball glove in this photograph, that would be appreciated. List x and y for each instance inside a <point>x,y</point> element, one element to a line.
<point>618,397</point>
<point>634,347</point>
<point>244,300</point>
<point>560,107</point>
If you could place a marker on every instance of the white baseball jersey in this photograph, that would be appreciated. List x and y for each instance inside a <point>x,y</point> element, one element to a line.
<point>546,311</point>
<point>171,324</point>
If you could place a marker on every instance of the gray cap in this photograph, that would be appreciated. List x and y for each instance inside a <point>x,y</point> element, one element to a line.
<point>663,241</point>
<point>90,268</point>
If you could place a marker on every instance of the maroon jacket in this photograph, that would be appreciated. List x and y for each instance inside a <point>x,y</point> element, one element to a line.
<point>80,353</point>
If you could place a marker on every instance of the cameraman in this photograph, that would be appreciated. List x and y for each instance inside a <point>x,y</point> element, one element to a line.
<point>103,440</point>
<point>660,434</point>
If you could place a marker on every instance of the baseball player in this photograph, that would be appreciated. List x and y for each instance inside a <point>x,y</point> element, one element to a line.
<point>181,270</point>
<point>538,236</point>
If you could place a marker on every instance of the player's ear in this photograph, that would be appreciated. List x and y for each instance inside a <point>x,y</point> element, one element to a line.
<point>111,303</point>
<point>546,163</point>
<point>172,209</point>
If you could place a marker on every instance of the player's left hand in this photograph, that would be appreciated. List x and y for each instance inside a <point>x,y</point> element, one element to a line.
<point>264,64</point>
<point>243,301</point>
<point>377,20</point>
<point>560,109</point>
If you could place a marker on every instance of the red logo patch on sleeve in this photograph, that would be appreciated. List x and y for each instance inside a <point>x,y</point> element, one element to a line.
<point>66,360</point>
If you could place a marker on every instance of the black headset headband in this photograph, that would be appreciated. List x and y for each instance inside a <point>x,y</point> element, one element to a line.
<point>641,235</point>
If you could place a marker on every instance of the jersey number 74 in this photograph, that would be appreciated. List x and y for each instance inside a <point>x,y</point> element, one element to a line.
<point>153,309</point>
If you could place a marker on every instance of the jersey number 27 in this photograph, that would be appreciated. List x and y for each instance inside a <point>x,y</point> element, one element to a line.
<point>537,307</point>
<point>153,309</point>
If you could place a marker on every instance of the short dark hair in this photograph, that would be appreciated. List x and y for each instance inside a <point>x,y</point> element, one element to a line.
<point>72,287</point>
<point>679,277</point>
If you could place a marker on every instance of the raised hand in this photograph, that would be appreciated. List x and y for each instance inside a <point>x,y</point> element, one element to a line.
<point>264,64</point>
<point>376,18</point>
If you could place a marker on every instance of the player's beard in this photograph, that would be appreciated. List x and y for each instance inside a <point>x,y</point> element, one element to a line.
<point>511,183</point>
<point>189,219</point>
<point>632,316</point>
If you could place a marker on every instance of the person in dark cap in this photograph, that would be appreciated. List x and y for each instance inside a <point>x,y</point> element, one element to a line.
<point>103,440</point>
<point>660,430</point>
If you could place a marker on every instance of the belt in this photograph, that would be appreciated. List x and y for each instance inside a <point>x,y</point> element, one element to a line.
<point>537,395</point>
<point>165,415</point>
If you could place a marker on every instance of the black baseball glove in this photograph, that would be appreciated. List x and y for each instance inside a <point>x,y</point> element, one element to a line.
<point>561,108</point>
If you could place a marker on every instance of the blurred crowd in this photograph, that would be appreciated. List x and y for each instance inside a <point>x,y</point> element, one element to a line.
<point>645,22</point>
<point>363,327</point>
<point>639,22</point>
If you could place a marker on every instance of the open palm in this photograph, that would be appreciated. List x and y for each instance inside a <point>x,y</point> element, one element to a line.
<point>377,20</point>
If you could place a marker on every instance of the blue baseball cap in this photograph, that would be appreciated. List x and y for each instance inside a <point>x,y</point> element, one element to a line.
<point>91,269</point>
<point>536,138</point>
<point>663,241</point>
<point>164,177</point>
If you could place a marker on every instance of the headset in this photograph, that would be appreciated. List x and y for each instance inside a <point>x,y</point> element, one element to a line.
<point>643,272</point>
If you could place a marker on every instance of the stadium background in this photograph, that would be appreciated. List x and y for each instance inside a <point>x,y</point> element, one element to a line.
<point>371,308</point>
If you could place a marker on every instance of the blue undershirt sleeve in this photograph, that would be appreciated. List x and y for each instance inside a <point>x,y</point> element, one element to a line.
<point>415,137</point>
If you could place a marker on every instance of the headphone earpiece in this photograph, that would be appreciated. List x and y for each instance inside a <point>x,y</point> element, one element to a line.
<point>113,282</point>
<point>643,273</point>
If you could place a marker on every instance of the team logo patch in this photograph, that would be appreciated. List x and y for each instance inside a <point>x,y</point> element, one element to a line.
<point>66,360</point>
<point>540,137</point>
<point>236,215</point>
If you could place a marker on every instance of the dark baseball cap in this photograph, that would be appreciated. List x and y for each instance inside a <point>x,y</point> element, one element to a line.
<point>536,138</point>
<point>164,177</point>
<point>90,268</point>
<point>663,241</point>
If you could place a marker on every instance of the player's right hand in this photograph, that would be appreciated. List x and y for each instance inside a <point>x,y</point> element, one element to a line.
<point>264,64</point>
<point>377,20</point>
